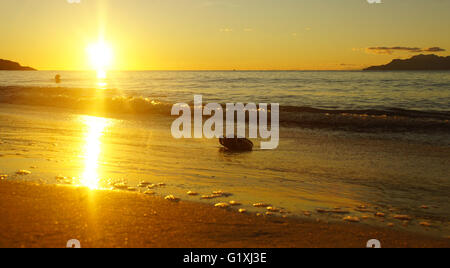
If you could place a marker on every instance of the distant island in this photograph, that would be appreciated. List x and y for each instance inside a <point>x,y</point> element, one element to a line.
<point>417,63</point>
<point>6,65</point>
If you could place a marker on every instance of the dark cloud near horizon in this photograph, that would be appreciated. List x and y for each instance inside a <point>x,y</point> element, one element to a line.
<point>434,49</point>
<point>391,50</point>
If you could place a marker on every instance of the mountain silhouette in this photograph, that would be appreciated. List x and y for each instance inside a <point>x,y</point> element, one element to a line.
<point>13,66</point>
<point>417,63</point>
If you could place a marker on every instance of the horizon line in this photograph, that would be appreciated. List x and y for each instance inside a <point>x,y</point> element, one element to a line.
<point>207,70</point>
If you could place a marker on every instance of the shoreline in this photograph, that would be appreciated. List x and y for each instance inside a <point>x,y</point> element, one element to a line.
<point>50,215</point>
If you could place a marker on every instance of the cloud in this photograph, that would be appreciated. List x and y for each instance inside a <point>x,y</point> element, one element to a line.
<point>226,30</point>
<point>434,49</point>
<point>391,50</point>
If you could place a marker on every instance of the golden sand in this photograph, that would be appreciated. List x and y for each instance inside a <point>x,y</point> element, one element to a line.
<point>48,216</point>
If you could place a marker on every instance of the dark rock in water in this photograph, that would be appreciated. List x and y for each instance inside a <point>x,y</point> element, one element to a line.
<point>6,65</point>
<point>237,144</point>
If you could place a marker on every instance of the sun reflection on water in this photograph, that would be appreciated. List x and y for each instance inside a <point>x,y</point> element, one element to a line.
<point>95,129</point>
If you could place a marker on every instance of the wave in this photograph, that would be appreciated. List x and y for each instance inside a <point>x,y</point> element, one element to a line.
<point>116,103</point>
<point>392,120</point>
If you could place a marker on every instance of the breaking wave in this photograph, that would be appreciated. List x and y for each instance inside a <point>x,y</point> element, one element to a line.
<point>116,103</point>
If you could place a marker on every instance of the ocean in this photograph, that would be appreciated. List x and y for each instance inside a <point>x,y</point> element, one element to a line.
<point>333,90</point>
<point>357,142</point>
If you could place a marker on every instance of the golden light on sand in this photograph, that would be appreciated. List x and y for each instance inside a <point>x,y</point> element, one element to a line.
<point>93,148</point>
<point>100,56</point>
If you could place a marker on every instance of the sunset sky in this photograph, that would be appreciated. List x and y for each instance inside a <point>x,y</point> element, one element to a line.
<point>222,34</point>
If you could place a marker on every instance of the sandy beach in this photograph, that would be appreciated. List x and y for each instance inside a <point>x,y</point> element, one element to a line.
<point>49,216</point>
<point>314,175</point>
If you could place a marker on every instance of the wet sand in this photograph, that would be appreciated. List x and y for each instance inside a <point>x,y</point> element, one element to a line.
<point>34,215</point>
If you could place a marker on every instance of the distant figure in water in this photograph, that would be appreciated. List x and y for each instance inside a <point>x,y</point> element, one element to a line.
<point>57,79</point>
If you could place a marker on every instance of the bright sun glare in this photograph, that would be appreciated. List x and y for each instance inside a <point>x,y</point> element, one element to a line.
<point>101,57</point>
<point>95,128</point>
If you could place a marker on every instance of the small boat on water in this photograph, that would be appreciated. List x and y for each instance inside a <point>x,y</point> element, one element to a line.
<point>237,144</point>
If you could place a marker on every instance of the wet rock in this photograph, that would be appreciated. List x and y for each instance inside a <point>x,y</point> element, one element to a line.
<point>273,209</point>
<point>261,205</point>
<point>3,177</point>
<point>149,192</point>
<point>364,210</point>
<point>68,181</point>
<point>307,213</point>
<point>144,184</point>
<point>120,186</point>
<point>221,194</point>
<point>208,197</point>
<point>390,225</point>
<point>242,210</point>
<point>222,205</point>
<point>425,224</point>
<point>23,172</point>
<point>352,219</point>
<point>424,207</point>
<point>283,211</point>
<point>237,144</point>
<point>334,211</point>
<point>402,217</point>
<point>235,204</point>
<point>65,180</point>
<point>338,211</point>
<point>268,213</point>
<point>191,193</point>
<point>380,214</point>
<point>172,198</point>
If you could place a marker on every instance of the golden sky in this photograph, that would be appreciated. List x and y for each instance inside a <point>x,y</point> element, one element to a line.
<point>222,34</point>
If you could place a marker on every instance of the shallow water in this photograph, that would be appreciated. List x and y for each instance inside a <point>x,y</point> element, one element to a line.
<point>393,173</point>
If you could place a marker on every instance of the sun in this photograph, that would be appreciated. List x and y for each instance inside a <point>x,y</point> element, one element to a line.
<point>100,56</point>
